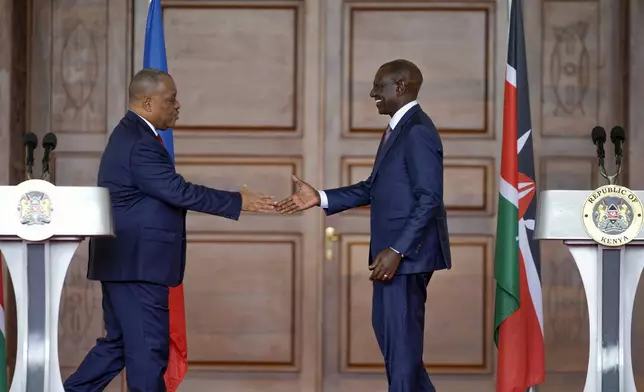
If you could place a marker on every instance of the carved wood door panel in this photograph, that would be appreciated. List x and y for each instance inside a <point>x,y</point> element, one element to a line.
<point>453,44</point>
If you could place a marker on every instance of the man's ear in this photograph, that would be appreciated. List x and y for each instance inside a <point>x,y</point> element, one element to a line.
<point>146,103</point>
<point>401,87</point>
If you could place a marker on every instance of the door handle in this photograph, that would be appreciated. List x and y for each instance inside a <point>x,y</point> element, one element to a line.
<point>330,238</point>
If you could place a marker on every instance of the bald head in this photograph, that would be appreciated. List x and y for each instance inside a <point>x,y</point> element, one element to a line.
<point>153,96</point>
<point>146,82</point>
<point>407,72</point>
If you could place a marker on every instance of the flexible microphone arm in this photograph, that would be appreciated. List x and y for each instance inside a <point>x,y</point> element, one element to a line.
<point>617,136</point>
<point>30,142</point>
<point>49,143</point>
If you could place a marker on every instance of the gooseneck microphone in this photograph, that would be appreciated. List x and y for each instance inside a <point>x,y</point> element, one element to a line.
<point>618,137</point>
<point>30,143</point>
<point>598,134</point>
<point>49,143</point>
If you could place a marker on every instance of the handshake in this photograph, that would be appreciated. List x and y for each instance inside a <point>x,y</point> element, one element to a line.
<point>305,197</point>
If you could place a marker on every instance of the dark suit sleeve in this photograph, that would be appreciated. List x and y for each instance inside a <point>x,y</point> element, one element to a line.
<point>424,159</point>
<point>347,197</point>
<point>156,176</point>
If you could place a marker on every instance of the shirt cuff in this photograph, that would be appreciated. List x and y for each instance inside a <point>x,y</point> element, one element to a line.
<point>395,251</point>
<point>324,201</point>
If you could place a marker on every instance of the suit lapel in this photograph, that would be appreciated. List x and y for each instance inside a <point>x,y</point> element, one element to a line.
<point>395,133</point>
<point>382,138</point>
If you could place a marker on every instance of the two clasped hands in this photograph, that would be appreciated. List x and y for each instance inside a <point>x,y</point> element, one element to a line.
<point>386,262</point>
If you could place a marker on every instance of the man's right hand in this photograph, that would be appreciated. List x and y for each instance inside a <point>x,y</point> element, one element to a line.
<point>305,197</point>
<point>254,202</point>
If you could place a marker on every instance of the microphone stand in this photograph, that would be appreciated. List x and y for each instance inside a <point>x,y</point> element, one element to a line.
<point>30,144</point>
<point>610,177</point>
<point>618,163</point>
<point>30,172</point>
<point>49,143</point>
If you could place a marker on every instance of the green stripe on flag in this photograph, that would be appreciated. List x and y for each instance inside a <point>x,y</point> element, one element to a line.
<point>506,264</point>
<point>3,364</point>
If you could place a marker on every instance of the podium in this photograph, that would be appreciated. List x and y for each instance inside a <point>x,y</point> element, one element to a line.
<point>41,227</point>
<point>602,230</point>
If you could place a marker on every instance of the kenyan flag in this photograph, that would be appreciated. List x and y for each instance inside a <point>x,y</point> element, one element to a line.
<point>518,316</point>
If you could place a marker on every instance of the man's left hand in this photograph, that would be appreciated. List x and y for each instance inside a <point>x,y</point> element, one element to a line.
<point>385,265</point>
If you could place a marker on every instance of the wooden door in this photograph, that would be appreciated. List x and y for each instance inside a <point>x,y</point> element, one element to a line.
<point>575,68</point>
<point>454,46</point>
<point>247,74</point>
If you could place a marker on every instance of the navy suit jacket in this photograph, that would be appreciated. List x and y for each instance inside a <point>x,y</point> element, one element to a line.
<point>149,203</point>
<point>405,191</point>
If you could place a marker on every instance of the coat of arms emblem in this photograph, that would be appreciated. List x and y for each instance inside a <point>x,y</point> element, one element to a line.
<point>35,208</point>
<point>613,215</point>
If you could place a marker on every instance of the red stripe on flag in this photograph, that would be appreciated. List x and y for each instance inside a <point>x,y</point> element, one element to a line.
<point>509,158</point>
<point>178,361</point>
<point>521,353</point>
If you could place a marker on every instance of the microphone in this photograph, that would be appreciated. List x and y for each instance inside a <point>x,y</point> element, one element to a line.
<point>48,144</point>
<point>598,134</point>
<point>618,136</point>
<point>30,142</point>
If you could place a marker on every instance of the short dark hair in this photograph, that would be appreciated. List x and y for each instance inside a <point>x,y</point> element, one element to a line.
<point>145,82</point>
<point>406,71</point>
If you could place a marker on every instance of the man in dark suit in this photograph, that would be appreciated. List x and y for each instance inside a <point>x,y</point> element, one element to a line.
<point>408,222</point>
<point>148,254</point>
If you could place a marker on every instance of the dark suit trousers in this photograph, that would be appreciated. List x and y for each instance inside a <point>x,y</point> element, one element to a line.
<point>398,318</point>
<point>137,337</point>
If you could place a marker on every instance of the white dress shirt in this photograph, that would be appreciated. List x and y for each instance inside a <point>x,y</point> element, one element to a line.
<point>149,124</point>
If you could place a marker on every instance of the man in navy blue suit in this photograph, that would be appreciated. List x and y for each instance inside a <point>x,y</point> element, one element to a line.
<point>148,254</point>
<point>409,235</point>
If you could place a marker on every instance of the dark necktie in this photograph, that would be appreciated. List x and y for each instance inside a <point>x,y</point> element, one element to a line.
<point>387,134</point>
<point>160,140</point>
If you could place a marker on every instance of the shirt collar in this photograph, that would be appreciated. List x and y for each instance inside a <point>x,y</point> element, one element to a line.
<point>147,122</point>
<point>395,119</point>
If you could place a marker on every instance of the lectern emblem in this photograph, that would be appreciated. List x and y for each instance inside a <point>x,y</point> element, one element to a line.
<point>612,215</point>
<point>35,208</point>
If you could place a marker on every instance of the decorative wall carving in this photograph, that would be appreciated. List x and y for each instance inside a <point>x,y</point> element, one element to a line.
<point>571,65</point>
<point>79,66</point>
<point>570,68</point>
